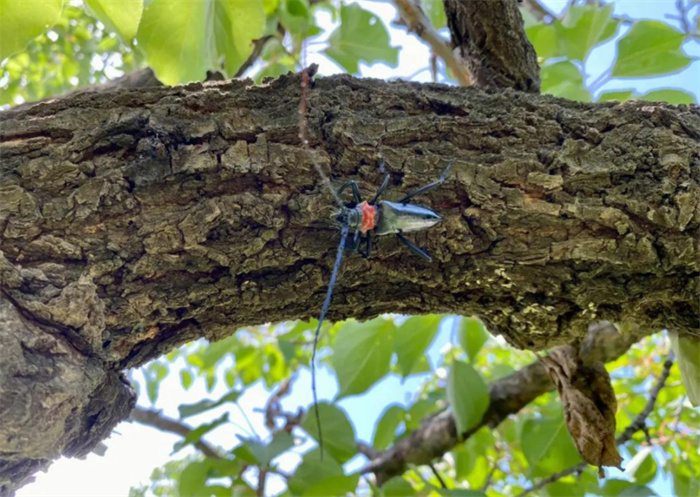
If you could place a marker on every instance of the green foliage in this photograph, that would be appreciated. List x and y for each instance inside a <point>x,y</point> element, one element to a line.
<point>22,21</point>
<point>687,351</point>
<point>468,395</point>
<point>650,48</point>
<point>361,36</point>
<point>362,354</point>
<point>62,46</point>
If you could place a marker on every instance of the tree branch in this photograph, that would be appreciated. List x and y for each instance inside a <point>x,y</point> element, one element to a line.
<point>157,420</point>
<point>490,38</point>
<point>639,424</point>
<point>416,21</point>
<point>507,396</point>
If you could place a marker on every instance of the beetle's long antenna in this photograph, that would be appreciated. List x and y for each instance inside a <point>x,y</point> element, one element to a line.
<point>339,257</point>
<point>303,129</point>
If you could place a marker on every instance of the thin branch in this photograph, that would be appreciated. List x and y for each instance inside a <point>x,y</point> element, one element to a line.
<point>639,424</point>
<point>157,420</point>
<point>417,22</point>
<point>508,395</point>
<point>437,475</point>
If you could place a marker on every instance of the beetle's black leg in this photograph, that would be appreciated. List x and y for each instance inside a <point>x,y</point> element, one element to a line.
<point>355,190</point>
<point>367,252</point>
<point>385,183</point>
<point>432,185</point>
<point>416,250</point>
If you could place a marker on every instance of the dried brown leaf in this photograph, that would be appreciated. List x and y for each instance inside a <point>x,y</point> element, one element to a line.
<point>589,405</point>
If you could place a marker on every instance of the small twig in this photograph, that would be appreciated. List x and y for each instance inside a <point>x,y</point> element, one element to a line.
<point>163,423</point>
<point>417,22</point>
<point>437,475</point>
<point>272,409</point>
<point>262,476</point>
<point>639,424</point>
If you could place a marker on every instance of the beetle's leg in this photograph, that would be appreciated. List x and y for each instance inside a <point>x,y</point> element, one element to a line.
<point>353,244</point>
<point>432,185</point>
<point>416,250</point>
<point>367,252</point>
<point>355,190</point>
<point>385,183</point>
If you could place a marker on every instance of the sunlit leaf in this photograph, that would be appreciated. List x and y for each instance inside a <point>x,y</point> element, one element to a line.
<point>620,96</point>
<point>183,40</point>
<point>338,433</point>
<point>472,336</point>
<point>385,431</point>
<point>312,470</point>
<point>20,21</point>
<point>642,467</point>
<point>650,48</point>
<point>435,10</point>
<point>397,487</point>
<point>362,353</point>
<point>669,96</point>
<point>119,16</point>
<point>199,432</point>
<point>687,350</point>
<point>584,27</point>
<point>361,36</point>
<point>468,395</point>
<point>333,485</point>
<point>564,79</point>
<point>205,405</point>
<point>548,446</point>
<point>412,339</point>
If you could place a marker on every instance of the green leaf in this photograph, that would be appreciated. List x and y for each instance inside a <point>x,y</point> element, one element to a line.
<point>613,487</point>
<point>397,487</point>
<point>338,433</point>
<point>642,466</point>
<point>312,470</point>
<point>620,96</point>
<point>183,40</point>
<point>547,445</point>
<point>385,431</point>
<point>186,378</point>
<point>263,454</point>
<point>412,339</point>
<point>362,354</point>
<point>360,36</point>
<point>461,492</point>
<point>333,485</point>
<point>204,405</point>
<point>468,395</point>
<point>686,479</point>
<point>584,27</point>
<point>650,48</point>
<point>563,79</point>
<point>687,350</point>
<point>637,491</point>
<point>22,21</point>
<point>669,96</point>
<point>119,16</point>
<point>199,432</point>
<point>193,478</point>
<point>472,336</point>
<point>545,40</point>
<point>435,10</point>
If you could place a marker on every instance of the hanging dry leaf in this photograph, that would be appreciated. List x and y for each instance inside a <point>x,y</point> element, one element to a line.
<point>589,405</point>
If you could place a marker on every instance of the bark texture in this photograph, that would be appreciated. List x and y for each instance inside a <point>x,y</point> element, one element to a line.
<point>488,35</point>
<point>136,220</point>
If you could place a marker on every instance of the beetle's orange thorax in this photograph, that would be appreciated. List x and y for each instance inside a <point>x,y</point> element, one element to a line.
<point>369,215</point>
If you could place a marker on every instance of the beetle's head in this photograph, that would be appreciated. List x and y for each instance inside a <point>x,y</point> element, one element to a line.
<point>347,217</point>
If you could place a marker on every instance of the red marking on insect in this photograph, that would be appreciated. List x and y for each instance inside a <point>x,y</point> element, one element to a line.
<point>369,214</point>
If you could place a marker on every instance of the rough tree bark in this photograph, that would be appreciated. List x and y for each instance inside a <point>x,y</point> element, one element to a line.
<point>134,221</point>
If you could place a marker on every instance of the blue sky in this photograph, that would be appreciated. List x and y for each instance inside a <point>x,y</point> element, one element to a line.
<point>134,450</point>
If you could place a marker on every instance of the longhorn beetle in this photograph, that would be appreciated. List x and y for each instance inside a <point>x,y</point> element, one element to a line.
<point>377,217</point>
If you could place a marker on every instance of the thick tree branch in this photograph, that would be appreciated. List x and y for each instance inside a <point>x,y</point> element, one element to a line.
<point>157,420</point>
<point>438,434</point>
<point>136,220</point>
<point>639,424</point>
<point>417,22</point>
<point>490,38</point>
